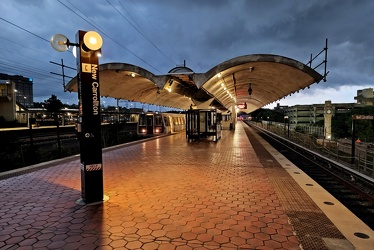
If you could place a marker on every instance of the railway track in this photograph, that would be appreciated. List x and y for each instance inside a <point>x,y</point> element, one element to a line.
<point>351,188</point>
<point>46,137</point>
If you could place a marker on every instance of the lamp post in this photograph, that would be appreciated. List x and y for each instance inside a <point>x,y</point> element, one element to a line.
<point>89,121</point>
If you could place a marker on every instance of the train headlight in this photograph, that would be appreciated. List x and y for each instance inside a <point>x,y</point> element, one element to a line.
<point>144,130</point>
<point>157,130</point>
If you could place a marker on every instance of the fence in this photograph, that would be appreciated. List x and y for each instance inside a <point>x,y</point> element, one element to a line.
<point>20,148</point>
<point>339,150</point>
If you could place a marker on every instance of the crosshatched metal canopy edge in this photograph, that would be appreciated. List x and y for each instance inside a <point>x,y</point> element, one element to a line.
<point>268,77</point>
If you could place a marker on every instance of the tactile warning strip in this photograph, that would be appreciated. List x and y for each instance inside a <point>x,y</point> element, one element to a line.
<point>310,223</point>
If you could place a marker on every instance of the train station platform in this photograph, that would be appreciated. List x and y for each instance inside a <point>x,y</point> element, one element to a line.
<point>166,193</point>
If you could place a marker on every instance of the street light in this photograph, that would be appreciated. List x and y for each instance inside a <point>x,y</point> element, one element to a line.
<point>89,122</point>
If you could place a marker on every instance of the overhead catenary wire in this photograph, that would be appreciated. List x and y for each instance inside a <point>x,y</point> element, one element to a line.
<point>151,24</point>
<point>19,27</point>
<point>20,70</point>
<point>29,48</point>
<point>22,55</point>
<point>17,66</point>
<point>92,23</point>
<point>25,69</point>
<point>139,29</point>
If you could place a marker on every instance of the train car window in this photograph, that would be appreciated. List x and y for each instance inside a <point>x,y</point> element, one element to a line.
<point>133,118</point>
<point>149,120</point>
<point>226,117</point>
<point>219,117</point>
<point>158,120</point>
<point>166,121</point>
<point>142,120</point>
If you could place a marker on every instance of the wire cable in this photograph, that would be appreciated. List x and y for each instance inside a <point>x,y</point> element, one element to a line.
<point>154,27</point>
<point>24,30</point>
<point>139,29</point>
<point>26,69</point>
<point>104,33</point>
<point>21,45</point>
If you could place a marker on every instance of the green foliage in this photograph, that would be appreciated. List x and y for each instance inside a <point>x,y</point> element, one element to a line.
<point>38,104</point>
<point>364,130</point>
<point>342,125</point>
<point>53,104</point>
<point>263,114</point>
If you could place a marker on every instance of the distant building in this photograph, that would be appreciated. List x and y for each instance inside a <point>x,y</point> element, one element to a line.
<point>280,108</point>
<point>16,93</point>
<point>365,96</point>
<point>314,113</point>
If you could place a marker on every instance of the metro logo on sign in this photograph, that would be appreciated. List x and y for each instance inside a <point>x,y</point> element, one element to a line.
<point>86,67</point>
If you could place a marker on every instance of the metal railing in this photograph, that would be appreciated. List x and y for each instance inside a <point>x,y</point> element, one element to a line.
<point>339,151</point>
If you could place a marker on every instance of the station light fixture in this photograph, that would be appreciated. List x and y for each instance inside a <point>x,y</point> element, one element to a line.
<point>250,89</point>
<point>92,41</point>
<point>88,51</point>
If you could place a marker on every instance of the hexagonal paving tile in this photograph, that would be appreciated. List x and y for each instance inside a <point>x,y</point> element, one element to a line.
<point>164,194</point>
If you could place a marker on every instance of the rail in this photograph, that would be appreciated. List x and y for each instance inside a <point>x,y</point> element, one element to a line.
<point>339,151</point>
<point>24,147</point>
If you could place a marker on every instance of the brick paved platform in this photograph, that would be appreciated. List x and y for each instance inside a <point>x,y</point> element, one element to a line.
<point>163,194</point>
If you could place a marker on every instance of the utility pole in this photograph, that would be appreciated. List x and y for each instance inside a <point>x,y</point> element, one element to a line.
<point>63,66</point>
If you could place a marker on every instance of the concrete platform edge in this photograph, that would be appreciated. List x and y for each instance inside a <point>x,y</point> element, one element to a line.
<point>342,218</point>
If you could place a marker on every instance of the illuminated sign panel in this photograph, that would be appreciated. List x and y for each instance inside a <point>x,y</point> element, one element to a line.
<point>242,106</point>
<point>362,117</point>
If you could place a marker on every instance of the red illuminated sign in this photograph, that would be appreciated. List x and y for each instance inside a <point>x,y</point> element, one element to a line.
<point>242,106</point>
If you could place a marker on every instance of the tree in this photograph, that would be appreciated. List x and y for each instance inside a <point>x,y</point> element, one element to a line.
<point>342,124</point>
<point>265,113</point>
<point>54,105</point>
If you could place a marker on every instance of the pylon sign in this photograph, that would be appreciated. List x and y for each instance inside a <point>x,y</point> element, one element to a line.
<point>89,124</point>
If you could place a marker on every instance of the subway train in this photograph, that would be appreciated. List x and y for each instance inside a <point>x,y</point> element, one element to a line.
<point>156,123</point>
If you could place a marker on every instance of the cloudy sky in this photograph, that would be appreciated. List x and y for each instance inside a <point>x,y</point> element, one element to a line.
<point>160,34</point>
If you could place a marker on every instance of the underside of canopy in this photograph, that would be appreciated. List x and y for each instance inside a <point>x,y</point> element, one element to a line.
<point>255,80</point>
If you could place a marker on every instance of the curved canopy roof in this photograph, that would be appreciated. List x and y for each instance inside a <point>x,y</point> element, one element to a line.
<point>256,80</point>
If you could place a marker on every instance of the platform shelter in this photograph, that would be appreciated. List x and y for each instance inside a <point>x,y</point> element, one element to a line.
<point>256,80</point>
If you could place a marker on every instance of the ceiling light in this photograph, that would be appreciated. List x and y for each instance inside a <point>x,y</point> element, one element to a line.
<point>250,89</point>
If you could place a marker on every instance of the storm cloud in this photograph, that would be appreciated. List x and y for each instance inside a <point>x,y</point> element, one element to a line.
<point>158,35</point>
